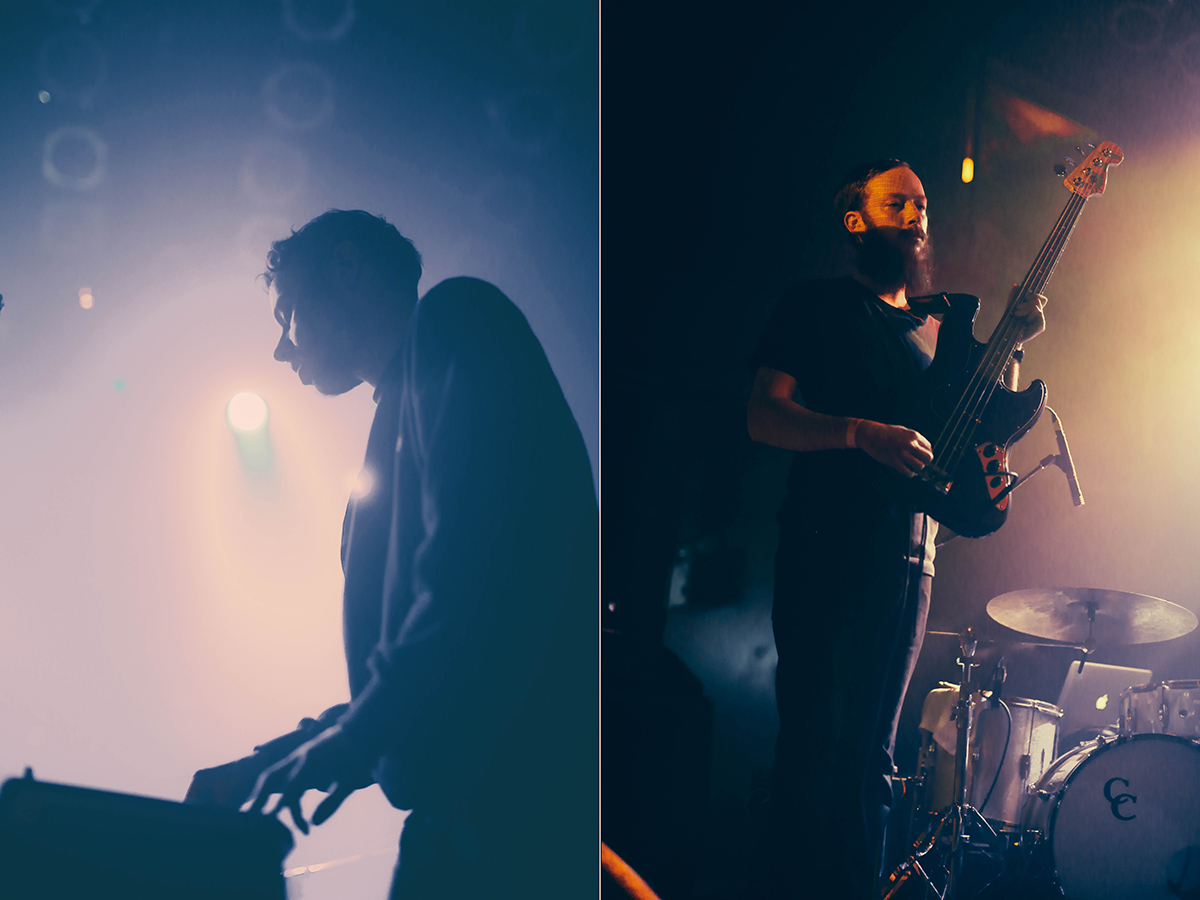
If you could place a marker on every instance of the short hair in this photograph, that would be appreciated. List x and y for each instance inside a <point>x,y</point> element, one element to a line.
<point>311,246</point>
<point>849,193</point>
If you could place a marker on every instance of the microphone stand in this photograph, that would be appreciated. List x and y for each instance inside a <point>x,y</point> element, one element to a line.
<point>1050,460</point>
<point>1062,459</point>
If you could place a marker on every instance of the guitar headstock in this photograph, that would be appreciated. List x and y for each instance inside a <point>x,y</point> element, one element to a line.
<point>1091,175</point>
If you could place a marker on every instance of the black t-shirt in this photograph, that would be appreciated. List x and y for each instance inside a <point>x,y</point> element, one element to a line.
<point>851,355</point>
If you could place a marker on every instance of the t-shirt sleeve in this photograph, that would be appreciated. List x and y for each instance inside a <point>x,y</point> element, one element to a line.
<point>787,342</point>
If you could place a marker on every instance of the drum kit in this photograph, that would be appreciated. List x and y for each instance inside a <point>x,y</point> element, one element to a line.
<point>999,811</point>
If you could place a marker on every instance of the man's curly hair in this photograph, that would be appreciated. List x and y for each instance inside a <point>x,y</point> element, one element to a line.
<point>303,254</point>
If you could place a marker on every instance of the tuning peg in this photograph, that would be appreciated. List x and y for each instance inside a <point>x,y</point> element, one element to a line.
<point>1060,170</point>
<point>1089,144</point>
<point>1070,162</point>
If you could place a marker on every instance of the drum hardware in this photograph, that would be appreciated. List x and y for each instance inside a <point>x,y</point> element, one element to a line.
<point>1078,830</point>
<point>960,824</point>
<point>1013,743</point>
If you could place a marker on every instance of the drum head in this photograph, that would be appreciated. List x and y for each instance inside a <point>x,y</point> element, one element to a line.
<point>1127,822</point>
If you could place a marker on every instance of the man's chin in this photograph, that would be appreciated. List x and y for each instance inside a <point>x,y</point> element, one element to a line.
<point>335,388</point>
<point>329,385</point>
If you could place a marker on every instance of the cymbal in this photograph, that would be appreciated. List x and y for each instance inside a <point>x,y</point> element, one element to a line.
<point>1091,616</point>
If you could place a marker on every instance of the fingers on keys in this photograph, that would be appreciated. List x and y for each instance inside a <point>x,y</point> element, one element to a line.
<point>280,781</point>
<point>329,805</point>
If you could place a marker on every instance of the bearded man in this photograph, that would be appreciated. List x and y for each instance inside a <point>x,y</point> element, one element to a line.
<point>854,566</point>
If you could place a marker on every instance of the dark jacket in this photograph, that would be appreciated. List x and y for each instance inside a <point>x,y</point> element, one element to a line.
<point>471,566</point>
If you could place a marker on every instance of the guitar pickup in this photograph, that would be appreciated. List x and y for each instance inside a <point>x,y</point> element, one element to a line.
<point>994,460</point>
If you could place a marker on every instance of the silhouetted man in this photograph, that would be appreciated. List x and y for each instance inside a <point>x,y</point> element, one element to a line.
<point>470,578</point>
<point>854,567</point>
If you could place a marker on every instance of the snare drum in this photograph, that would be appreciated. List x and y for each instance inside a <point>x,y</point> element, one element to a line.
<point>1121,819</point>
<point>1014,770</point>
<point>1172,707</point>
<point>1031,749</point>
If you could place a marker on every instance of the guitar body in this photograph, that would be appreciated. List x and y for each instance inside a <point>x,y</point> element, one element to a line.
<point>969,507</point>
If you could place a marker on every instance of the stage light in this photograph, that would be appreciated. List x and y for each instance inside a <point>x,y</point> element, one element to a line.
<point>968,170</point>
<point>247,417</point>
<point>246,412</point>
<point>44,96</point>
<point>362,483</point>
<point>86,300</point>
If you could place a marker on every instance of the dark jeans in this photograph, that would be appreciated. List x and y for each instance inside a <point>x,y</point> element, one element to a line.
<point>849,618</point>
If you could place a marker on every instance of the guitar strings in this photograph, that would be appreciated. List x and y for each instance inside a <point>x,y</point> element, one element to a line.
<point>986,376</point>
<point>1002,343</point>
<point>958,418</point>
<point>1007,336</point>
<point>1001,346</point>
<point>988,372</point>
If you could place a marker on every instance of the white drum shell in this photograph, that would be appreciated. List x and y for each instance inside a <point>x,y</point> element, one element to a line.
<point>1172,707</point>
<point>1031,748</point>
<point>1113,846</point>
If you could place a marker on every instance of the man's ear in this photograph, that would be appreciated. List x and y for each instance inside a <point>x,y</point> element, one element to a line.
<point>854,222</point>
<point>346,264</point>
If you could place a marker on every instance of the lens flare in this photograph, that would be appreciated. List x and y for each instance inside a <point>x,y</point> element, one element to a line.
<point>362,483</point>
<point>246,412</point>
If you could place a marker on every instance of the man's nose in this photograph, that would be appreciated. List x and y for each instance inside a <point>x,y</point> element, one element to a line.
<point>284,350</point>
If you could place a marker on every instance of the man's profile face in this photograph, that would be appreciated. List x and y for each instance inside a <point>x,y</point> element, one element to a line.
<point>892,228</point>
<point>319,348</point>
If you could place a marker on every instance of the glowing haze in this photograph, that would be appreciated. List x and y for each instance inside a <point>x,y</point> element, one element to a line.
<point>160,610</point>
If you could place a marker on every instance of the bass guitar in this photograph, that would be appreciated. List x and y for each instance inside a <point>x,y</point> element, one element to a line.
<point>959,398</point>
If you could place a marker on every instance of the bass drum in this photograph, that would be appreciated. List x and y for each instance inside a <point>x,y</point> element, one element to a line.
<point>1121,819</point>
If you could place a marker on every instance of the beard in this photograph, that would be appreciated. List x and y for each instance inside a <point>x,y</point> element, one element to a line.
<point>893,258</point>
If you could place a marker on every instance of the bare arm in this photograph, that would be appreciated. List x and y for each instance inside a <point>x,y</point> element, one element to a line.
<point>773,417</point>
<point>1012,374</point>
<point>1033,310</point>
